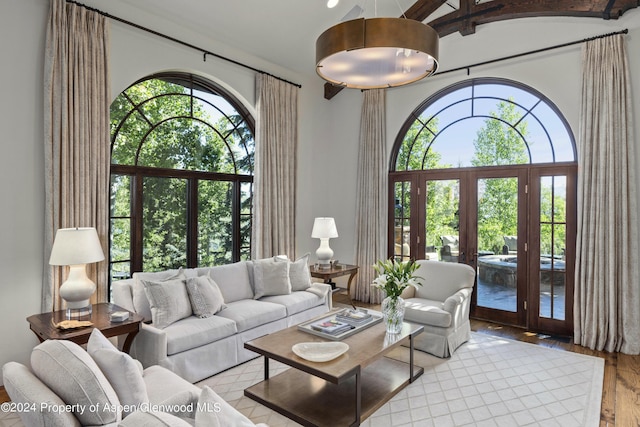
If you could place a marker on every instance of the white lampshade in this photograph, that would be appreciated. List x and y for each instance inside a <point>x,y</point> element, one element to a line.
<point>76,247</point>
<point>324,228</point>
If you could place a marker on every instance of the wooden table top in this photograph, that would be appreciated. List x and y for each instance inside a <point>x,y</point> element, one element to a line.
<point>365,347</point>
<point>42,324</point>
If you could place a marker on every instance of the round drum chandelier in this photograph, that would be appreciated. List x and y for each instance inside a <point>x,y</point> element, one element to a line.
<point>377,53</point>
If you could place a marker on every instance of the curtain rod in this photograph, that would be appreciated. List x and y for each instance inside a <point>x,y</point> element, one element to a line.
<point>517,55</point>
<point>204,51</point>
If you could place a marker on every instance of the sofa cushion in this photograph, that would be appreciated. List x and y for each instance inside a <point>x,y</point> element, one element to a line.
<point>248,314</point>
<point>213,411</point>
<point>232,279</point>
<point>24,388</point>
<point>153,419</point>
<point>426,312</point>
<point>121,370</point>
<point>270,277</point>
<point>295,302</point>
<point>299,274</point>
<point>140,300</point>
<point>205,296</point>
<point>169,301</point>
<point>73,375</point>
<point>194,332</point>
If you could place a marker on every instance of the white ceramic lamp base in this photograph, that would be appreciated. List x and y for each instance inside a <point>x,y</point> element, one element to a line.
<point>324,253</point>
<point>76,291</point>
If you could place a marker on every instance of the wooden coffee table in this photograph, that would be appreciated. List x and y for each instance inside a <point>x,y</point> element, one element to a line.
<point>341,392</point>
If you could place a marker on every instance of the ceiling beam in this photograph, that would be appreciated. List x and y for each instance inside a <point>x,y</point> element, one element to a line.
<point>469,15</point>
<point>465,19</point>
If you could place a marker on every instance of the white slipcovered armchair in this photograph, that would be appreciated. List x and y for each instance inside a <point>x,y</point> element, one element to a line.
<point>441,304</point>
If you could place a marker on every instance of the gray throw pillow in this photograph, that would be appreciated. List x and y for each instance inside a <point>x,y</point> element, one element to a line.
<point>73,375</point>
<point>121,370</point>
<point>271,277</point>
<point>205,296</point>
<point>169,301</point>
<point>299,274</point>
<point>140,300</point>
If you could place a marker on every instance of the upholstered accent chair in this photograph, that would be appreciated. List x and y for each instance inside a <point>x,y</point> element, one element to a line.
<point>450,248</point>
<point>441,304</point>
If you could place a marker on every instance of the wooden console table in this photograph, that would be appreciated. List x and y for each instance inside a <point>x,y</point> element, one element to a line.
<point>327,274</point>
<point>42,325</point>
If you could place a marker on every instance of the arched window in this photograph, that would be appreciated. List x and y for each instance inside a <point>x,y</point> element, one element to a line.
<point>484,172</point>
<point>453,129</point>
<point>181,175</point>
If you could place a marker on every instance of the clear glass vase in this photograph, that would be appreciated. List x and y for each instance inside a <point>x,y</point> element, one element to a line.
<point>393,314</point>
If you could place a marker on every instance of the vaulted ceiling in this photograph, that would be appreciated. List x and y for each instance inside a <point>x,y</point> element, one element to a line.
<point>283,32</point>
<point>465,15</point>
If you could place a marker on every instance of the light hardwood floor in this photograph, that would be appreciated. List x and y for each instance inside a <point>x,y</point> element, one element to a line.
<point>621,385</point>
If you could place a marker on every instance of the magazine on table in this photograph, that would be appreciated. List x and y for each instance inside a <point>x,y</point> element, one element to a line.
<point>355,317</point>
<point>333,327</point>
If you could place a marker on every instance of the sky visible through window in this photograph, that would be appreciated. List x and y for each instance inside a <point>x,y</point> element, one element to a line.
<point>463,112</point>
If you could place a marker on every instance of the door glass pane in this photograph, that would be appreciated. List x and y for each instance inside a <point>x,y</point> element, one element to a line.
<point>402,220</point>
<point>442,224</point>
<point>215,226</point>
<point>497,230</point>
<point>164,223</point>
<point>553,230</point>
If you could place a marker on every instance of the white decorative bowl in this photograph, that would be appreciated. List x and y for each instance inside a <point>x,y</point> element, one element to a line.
<point>320,351</point>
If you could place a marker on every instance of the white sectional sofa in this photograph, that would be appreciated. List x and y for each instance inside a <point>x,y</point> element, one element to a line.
<point>260,297</point>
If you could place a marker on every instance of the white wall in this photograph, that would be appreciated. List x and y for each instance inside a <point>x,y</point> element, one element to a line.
<point>328,129</point>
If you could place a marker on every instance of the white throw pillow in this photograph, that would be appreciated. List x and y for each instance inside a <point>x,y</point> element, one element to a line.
<point>205,296</point>
<point>299,274</point>
<point>121,370</point>
<point>213,411</point>
<point>271,277</point>
<point>75,377</point>
<point>169,301</point>
<point>140,300</point>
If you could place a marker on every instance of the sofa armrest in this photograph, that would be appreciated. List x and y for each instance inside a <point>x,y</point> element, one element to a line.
<point>409,292</point>
<point>149,346</point>
<point>322,290</point>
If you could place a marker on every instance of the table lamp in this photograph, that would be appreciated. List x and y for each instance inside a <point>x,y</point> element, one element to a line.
<point>324,229</point>
<point>76,247</point>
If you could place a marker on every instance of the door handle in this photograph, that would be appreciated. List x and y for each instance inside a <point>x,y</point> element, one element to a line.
<point>462,257</point>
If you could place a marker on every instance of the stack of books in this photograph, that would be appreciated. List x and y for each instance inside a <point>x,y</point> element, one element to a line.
<point>332,327</point>
<point>354,317</point>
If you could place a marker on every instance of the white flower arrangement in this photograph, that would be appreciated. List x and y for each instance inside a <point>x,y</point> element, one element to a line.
<point>395,276</point>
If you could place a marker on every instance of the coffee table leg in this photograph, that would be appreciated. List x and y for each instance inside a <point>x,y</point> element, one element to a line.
<point>358,399</point>
<point>266,368</point>
<point>411,358</point>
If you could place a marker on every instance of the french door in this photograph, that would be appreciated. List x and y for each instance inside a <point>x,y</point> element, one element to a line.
<point>514,225</point>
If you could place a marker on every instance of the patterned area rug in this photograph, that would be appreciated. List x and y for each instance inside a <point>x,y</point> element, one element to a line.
<point>489,381</point>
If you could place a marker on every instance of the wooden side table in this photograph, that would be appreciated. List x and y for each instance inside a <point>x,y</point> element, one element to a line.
<point>42,325</point>
<point>327,274</point>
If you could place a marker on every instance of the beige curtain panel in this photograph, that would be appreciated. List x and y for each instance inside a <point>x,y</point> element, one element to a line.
<point>274,197</point>
<point>371,200</point>
<point>76,140</point>
<point>607,291</point>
